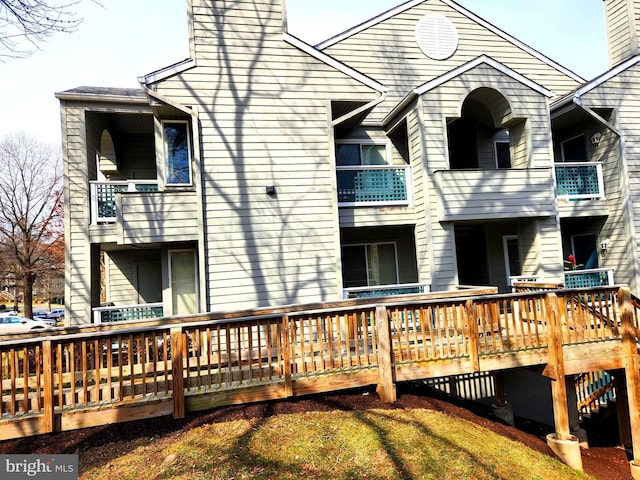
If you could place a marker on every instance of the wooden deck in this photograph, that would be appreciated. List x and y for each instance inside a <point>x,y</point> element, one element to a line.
<point>97,375</point>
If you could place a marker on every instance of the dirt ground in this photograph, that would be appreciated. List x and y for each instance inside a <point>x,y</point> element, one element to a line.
<point>603,462</point>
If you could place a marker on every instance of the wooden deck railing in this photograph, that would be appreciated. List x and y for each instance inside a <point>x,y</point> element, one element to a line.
<point>113,374</point>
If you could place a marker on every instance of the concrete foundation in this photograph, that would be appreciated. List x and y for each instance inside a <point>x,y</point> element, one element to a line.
<point>504,413</point>
<point>567,450</point>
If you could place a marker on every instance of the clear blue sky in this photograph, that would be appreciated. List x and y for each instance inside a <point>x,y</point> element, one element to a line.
<point>123,39</point>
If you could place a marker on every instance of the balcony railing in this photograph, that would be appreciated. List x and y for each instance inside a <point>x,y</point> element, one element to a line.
<point>593,277</point>
<point>384,290</point>
<point>579,180</point>
<point>373,185</point>
<point>103,197</point>
<point>127,313</point>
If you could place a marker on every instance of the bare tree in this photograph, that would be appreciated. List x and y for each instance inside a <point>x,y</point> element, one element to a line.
<point>30,208</point>
<point>33,21</point>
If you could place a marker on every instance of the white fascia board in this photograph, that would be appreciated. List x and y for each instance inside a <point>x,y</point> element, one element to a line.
<point>405,6</point>
<point>332,62</point>
<point>608,75</point>
<point>167,72</point>
<point>101,98</point>
<point>482,59</point>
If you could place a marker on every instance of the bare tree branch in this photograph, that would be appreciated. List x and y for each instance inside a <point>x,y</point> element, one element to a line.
<point>30,22</point>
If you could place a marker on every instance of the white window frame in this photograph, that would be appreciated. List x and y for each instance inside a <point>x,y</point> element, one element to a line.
<point>166,156</point>
<point>366,259</point>
<point>368,142</point>
<point>562,142</point>
<point>505,251</point>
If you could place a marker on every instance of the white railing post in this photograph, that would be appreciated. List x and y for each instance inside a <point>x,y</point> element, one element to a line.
<point>93,193</point>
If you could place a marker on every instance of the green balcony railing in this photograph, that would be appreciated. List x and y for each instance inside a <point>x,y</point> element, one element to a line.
<point>579,180</point>
<point>593,277</point>
<point>384,290</point>
<point>373,185</point>
<point>127,313</point>
<point>103,197</point>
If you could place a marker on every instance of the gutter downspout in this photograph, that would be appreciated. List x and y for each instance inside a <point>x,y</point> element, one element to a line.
<point>626,191</point>
<point>203,297</point>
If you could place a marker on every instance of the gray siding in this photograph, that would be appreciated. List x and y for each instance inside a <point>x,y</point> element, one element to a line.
<point>157,217</point>
<point>622,175</point>
<point>621,18</point>
<point>389,53</point>
<point>494,194</point>
<point>264,111</point>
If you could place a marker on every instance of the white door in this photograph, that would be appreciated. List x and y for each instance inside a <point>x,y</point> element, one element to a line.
<point>183,273</point>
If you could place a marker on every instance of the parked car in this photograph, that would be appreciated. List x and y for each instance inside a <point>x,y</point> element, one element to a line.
<point>57,313</point>
<point>15,324</point>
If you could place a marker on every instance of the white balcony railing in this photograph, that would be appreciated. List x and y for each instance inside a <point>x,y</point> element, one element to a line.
<point>579,180</point>
<point>384,290</point>
<point>593,277</point>
<point>127,313</point>
<point>103,196</point>
<point>373,185</point>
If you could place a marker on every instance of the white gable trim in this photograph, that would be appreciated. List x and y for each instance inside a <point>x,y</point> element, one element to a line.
<point>482,59</point>
<point>606,76</point>
<point>332,62</point>
<point>167,72</point>
<point>412,3</point>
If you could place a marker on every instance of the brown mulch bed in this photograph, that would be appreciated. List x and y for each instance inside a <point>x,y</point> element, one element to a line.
<point>603,463</point>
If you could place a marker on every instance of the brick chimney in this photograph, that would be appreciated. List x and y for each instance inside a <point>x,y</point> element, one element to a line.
<point>622,18</point>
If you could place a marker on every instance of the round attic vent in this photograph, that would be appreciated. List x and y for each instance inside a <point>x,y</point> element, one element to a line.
<point>437,36</point>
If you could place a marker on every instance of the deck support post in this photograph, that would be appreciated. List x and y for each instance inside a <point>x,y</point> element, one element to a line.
<point>500,408</point>
<point>286,356</point>
<point>632,374</point>
<point>386,388</point>
<point>48,417</point>
<point>177,372</point>
<point>563,444</point>
<point>622,408</point>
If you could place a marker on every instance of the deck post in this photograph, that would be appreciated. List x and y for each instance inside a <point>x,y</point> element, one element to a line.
<point>632,374</point>
<point>622,408</point>
<point>472,324</point>
<point>286,355</point>
<point>386,388</point>
<point>48,417</point>
<point>500,408</point>
<point>177,371</point>
<point>561,442</point>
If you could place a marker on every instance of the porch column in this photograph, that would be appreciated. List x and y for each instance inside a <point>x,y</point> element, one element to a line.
<point>632,374</point>
<point>561,442</point>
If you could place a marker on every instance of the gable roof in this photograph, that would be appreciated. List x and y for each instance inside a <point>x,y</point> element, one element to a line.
<point>463,11</point>
<point>596,82</point>
<point>332,62</point>
<point>482,59</point>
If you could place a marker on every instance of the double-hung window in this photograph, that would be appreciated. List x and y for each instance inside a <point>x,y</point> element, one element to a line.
<point>367,177</point>
<point>177,152</point>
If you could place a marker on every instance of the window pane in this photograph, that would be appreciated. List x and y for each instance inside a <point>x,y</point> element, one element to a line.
<point>503,155</point>
<point>382,264</point>
<point>513,255</point>
<point>574,150</point>
<point>176,142</point>
<point>354,266</point>
<point>348,155</point>
<point>374,155</point>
